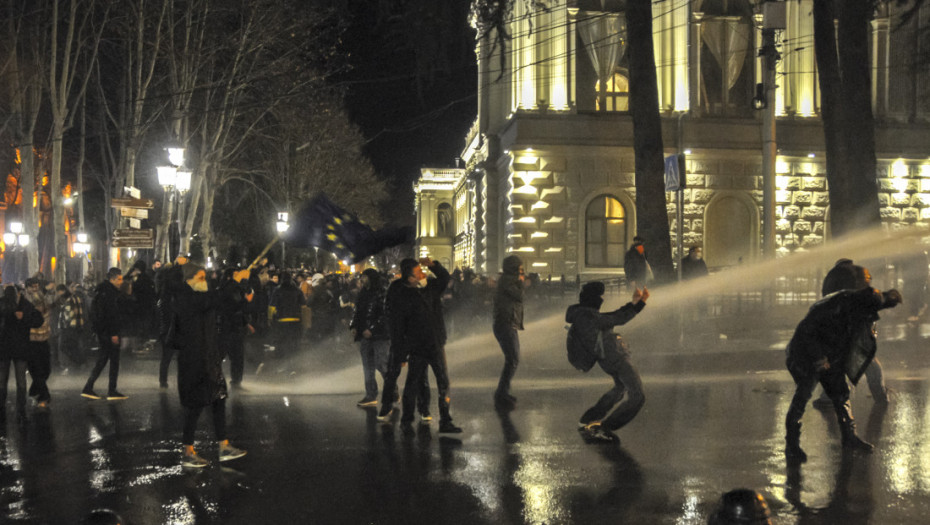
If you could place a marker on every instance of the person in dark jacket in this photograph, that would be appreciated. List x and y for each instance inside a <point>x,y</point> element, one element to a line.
<point>107,308</point>
<point>168,281</point>
<point>508,318</point>
<point>614,359</point>
<point>846,276</point>
<point>369,329</point>
<point>285,303</point>
<point>18,317</point>
<point>414,306</point>
<point>144,299</point>
<point>693,265</point>
<point>233,323</point>
<point>832,342</point>
<point>200,361</point>
<point>635,266</point>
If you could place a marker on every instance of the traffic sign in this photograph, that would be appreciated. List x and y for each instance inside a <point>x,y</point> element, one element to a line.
<point>132,203</point>
<point>127,233</point>
<point>137,243</point>
<point>135,213</point>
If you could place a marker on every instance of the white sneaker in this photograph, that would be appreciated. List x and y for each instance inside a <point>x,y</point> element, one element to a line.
<point>193,460</point>
<point>229,453</point>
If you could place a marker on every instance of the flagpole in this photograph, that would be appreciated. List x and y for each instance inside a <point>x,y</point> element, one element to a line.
<point>270,244</point>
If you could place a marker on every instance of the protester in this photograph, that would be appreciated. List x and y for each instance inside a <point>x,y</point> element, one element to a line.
<point>614,359</point>
<point>635,266</point>
<point>200,362</point>
<point>107,316</point>
<point>233,323</point>
<point>693,265</point>
<point>508,318</point>
<point>832,342</point>
<point>369,329</point>
<point>40,357</point>
<point>70,326</point>
<point>285,304</point>
<point>414,305</point>
<point>18,317</point>
<point>168,281</point>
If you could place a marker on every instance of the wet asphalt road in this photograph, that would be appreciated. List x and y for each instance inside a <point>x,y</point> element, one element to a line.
<point>713,421</point>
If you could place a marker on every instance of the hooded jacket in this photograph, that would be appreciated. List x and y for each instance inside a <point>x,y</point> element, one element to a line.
<point>838,328</point>
<point>589,320</point>
<point>508,299</point>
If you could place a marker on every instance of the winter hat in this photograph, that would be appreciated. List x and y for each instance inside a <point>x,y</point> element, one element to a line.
<point>591,294</point>
<point>190,270</point>
<point>407,266</point>
<point>511,265</point>
<point>317,279</point>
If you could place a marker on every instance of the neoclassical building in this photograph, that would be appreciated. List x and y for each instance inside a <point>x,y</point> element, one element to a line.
<point>548,163</point>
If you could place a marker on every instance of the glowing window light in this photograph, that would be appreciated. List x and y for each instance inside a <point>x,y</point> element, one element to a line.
<point>899,169</point>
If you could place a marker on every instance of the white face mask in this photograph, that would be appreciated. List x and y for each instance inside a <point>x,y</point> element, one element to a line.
<point>200,286</point>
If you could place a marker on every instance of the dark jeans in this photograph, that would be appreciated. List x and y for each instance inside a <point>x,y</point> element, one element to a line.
<point>416,377</point>
<point>374,358</point>
<point>191,415</point>
<point>390,386</point>
<point>510,344</point>
<point>69,345</point>
<point>108,352</point>
<point>167,354</point>
<point>627,390</point>
<point>20,370</point>
<point>287,339</point>
<point>234,346</point>
<point>40,368</point>
<point>805,380</point>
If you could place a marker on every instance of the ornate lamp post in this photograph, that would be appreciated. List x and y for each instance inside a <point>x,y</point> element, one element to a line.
<point>281,226</point>
<point>15,259</point>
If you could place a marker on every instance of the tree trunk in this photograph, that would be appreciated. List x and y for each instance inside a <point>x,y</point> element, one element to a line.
<point>831,111</point>
<point>855,64</point>
<point>651,211</point>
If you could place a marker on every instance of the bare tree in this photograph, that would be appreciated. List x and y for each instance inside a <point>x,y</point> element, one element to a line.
<point>23,75</point>
<point>73,43</point>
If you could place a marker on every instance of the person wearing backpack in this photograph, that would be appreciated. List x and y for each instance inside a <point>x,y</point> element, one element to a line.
<point>593,330</point>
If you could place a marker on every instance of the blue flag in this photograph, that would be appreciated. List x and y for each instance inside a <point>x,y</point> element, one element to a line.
<point>323,224</point>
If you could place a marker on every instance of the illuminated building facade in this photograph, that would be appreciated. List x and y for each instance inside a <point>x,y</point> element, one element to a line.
<point>548,164</point>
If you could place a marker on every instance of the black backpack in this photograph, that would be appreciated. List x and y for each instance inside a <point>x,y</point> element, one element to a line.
<point>584,344</point>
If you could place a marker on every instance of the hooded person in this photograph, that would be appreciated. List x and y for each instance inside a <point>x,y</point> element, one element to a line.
<point>613,358</point>
<point>508,318</point>
<point>369,328</point>
<point>200,372</point>
<point>834,341</point>
<point>635,266</point>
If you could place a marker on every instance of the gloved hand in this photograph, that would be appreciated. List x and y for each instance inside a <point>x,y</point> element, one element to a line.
<point>891,298</point>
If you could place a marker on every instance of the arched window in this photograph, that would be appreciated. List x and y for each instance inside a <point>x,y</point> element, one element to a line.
<point>444,220</point>
<point>605,232</point>
<point>616,96</point>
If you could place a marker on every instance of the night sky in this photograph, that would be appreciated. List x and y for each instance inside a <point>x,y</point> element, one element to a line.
<point>411,87</point>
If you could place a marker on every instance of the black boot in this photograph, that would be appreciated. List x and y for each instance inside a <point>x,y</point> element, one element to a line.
<point>848,429</point>
<point>793,451</point>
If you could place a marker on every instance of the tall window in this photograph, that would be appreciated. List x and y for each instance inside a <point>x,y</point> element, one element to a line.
<point>615,96</point>
<point>605,232</point>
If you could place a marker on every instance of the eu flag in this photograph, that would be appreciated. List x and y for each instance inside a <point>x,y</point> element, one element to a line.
<point>321,223</point>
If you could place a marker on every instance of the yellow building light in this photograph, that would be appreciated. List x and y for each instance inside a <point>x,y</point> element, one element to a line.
<point>539,235</point>
<point>539,205</point>
<point>525,249</point>
<point>526,159</point>
<point>526,189</point>
<point>554,249</point>
<point>899,169</point>
<point>553,220</point>
<point>781,181</point>
<point>526,220</point>
<point>925,170</point>
<point>900,185</point>
<point>540,264</point>
<point>782,167</point>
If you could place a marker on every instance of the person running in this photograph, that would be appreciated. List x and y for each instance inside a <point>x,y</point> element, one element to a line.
<point>107,315</point>
<point>614,359</point>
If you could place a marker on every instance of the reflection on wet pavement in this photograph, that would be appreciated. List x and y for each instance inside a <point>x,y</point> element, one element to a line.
<point>713,422</point>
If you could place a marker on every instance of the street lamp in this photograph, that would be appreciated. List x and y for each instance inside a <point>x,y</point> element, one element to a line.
<point>15,242</point>
<point>281,225</point>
